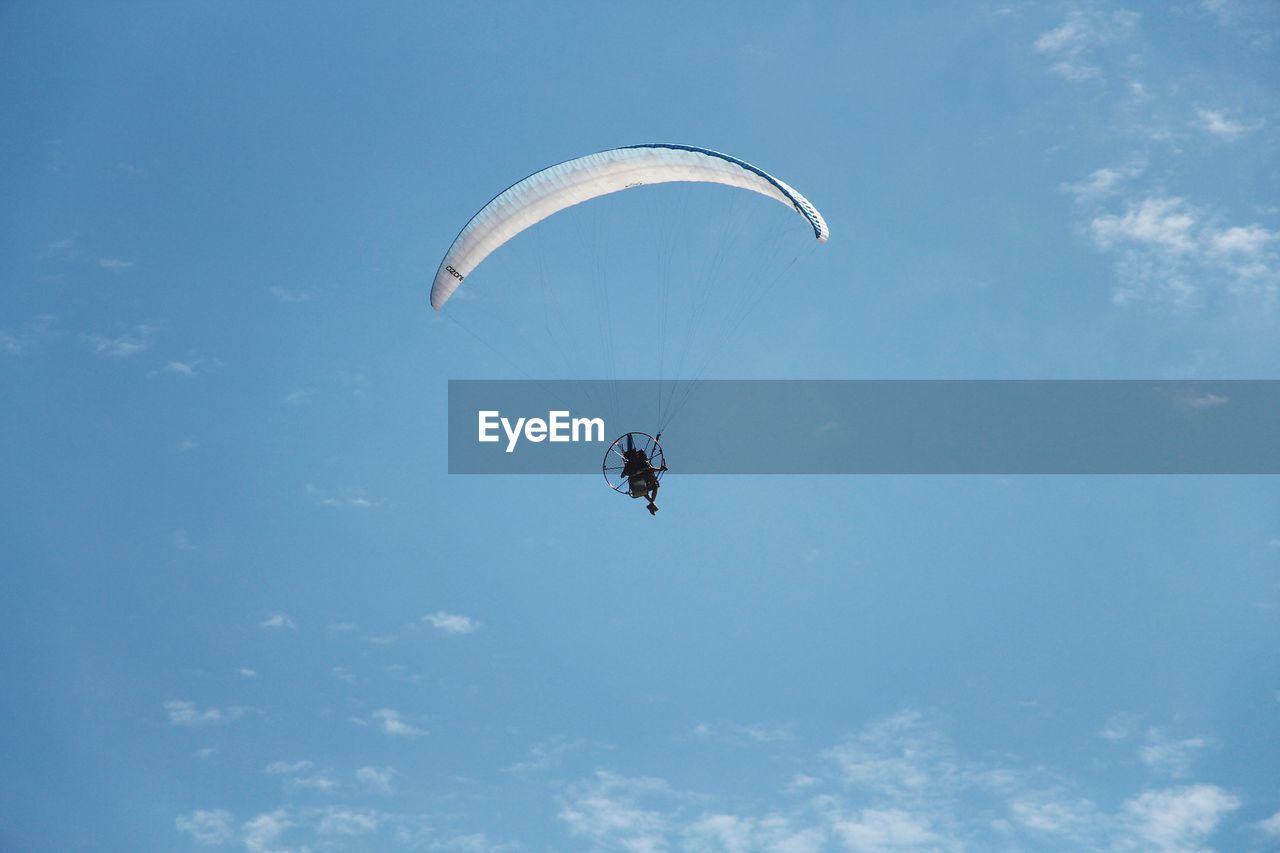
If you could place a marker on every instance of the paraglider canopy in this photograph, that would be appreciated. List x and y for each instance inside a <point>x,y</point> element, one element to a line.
<point>551,190</point>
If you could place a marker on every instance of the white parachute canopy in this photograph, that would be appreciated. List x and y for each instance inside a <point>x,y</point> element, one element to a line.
<point>561,186</point>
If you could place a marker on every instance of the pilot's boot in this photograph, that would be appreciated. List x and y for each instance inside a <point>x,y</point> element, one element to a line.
<point>653,509</point>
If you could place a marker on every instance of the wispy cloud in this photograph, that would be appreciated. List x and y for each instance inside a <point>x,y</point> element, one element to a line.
<point>114,264</point>
<point>1102,183</point>
<point>606,809</point>
<point>451,623</point>
<point>341,820</point>
<point>392,724</point>
<point>246,672</point>
<point>188,368</point>
<point>353,497</point>
<point>330,827</point>
<point>1168,250</point>
<point>284,768</point>
<point>139,339</point>
<point>289,297</point>
<point>1208,401</point>
<point>322,782</point>
<point>211,826</point>
<point>62,249</point>
<point>1052,813</point>
<point>1071,47</point>
<point>181,540</point>
<point>278,620</point>
<point>739,734</point>
<point>1162,222</point>
<point>1170,757</point>
<point>376,780</point>
<point>546,754</point>
<point>186,713</point>
<point>1179,818</point>
<point>1254,21</point>
<point>261,833</point>
<point>899,783</point>
<point>1216,123</point>
<point>1270,827</point>
<point>20,340</point>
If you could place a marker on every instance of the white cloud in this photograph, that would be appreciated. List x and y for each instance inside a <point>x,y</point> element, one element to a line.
<point>289,297</point>
<point>125,345</point>
<point>376,780</point>
<point>353,498</point>
<point>207,826</point>
<point>114,264</point>
<point>1170,757</point>
<point>1216,123</point>
<point>338,820</point>
<point>246,672</point>
<point>278,620</point>
<point>902,754</point>
<point>451,623</point>
<point>1270,827</point>
<point>896,784</point>
<point>1175,819</point>
<point>1248,241</point>
<point>298,396</point>
<point>1168,250</point>
<point>726,833</point>
<point>472,842</point>
<point>332,827</point>
<point>740,734</point>
<point>1165,222</point>
<point>1208,401</point>
<point>886,829</point>
<point>181,541</point>
<point>546,754</point>
<point>765,734</point>
<point>189,368</point>
<point>185,713</point>
<point>1102,183</point>
<point>31,333</point>
<point>393,725</point>
<point>605,809</point>
<point>284,768</point>
<point>62,249</point>
<point>1051,815</point>
<point>261,833</point>
<point>322,782</point>
<point>1071,47</point>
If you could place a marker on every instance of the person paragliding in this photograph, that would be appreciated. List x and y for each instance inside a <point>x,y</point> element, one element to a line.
<point>642,476</point>
<point>634,465</point>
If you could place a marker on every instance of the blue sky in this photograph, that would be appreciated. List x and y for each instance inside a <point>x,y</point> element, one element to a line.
<point>245,607</point>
